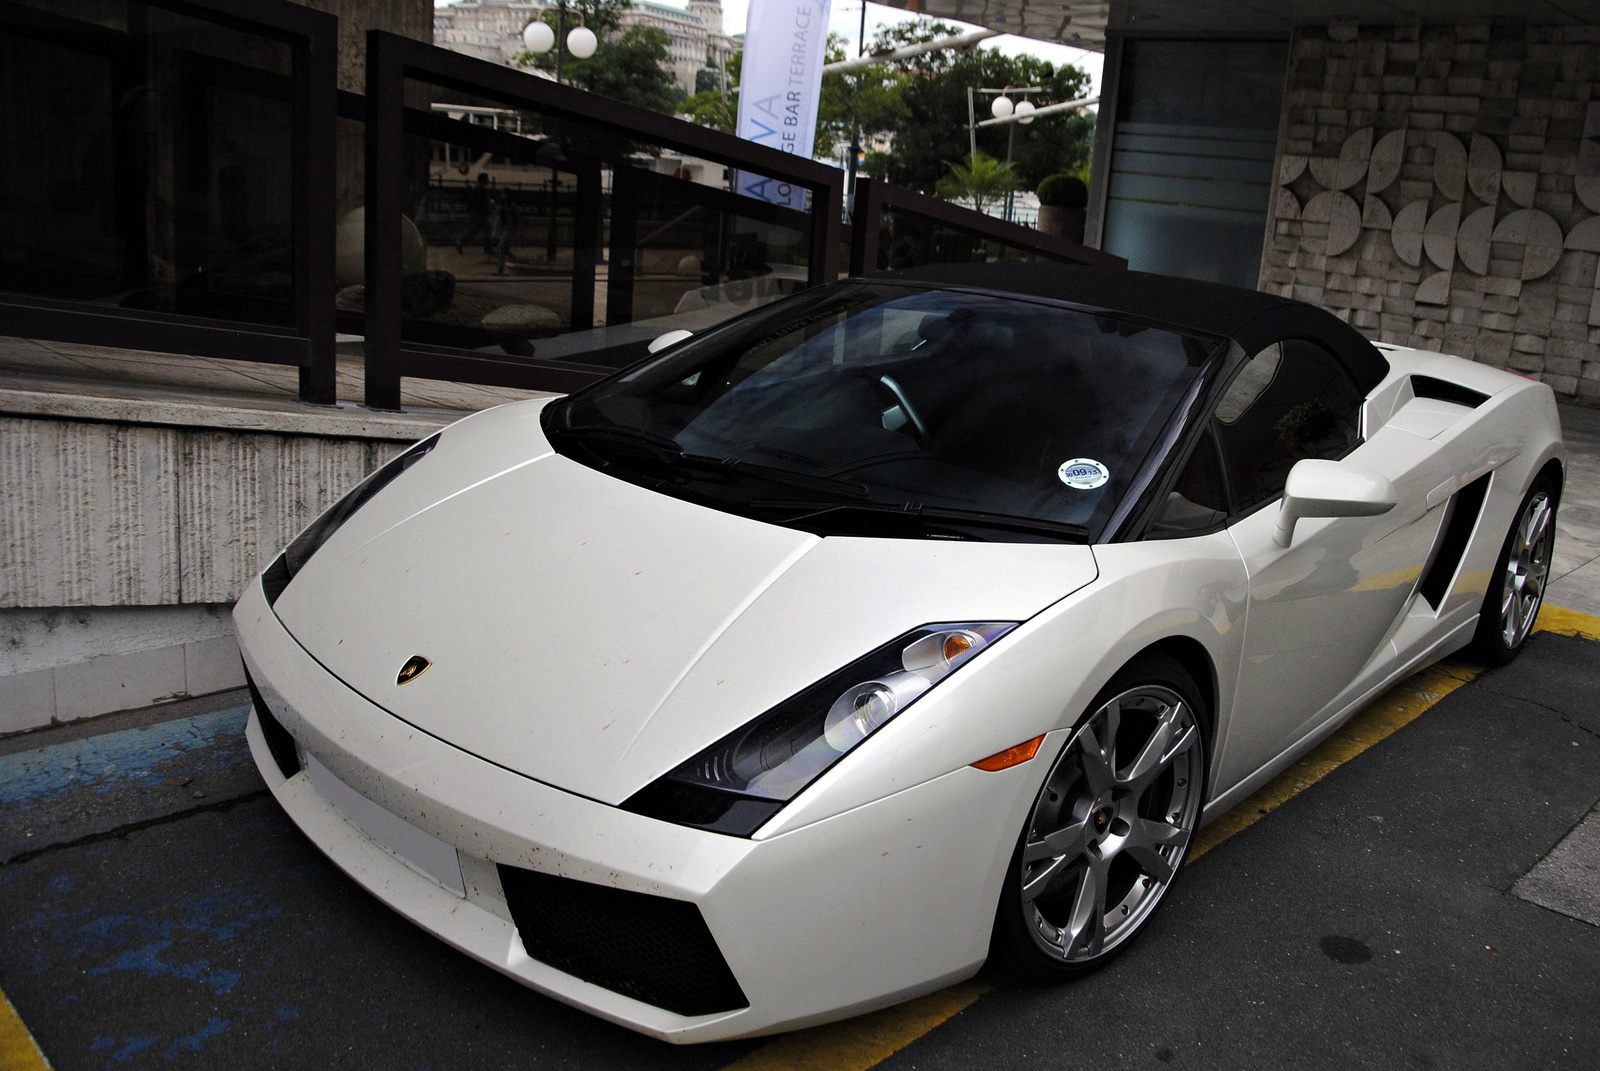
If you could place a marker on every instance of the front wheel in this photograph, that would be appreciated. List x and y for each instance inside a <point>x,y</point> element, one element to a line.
<point>1516,587</point>
<point>1109,828</point>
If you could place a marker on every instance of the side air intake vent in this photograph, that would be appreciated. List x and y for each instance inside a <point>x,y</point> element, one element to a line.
<point>1465,506</point>
<point>650,948</point>
<point>1428,387</point>
<point>279,742</point>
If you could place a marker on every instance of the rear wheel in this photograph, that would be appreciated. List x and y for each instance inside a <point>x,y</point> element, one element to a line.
<point>1109,828</point>
<point>1516,587</point>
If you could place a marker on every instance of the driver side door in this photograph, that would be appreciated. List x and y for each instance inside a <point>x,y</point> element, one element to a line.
<point>1319,612</point>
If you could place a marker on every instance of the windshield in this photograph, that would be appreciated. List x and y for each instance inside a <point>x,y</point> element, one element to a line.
<point>896,410</point>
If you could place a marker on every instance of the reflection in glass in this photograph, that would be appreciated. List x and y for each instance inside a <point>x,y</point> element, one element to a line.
<point>148,161</point>
<point>533,237</point>
<point>909,240</point>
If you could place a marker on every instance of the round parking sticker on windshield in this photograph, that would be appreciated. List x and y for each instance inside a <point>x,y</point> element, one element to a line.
<point>1083,473</point>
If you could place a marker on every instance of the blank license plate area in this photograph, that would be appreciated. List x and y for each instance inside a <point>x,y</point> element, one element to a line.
<point>418,849</point>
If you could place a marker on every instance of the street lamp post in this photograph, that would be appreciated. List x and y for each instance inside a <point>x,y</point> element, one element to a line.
<point>1002,107</point>
<point>581,42</point>
<point>539,39</point>
<point>855,128</point>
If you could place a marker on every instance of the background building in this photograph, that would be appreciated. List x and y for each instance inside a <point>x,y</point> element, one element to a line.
<point>492,30</point>
<point>1428,172</point>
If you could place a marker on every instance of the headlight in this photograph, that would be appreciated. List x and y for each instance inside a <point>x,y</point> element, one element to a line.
<point>319,531</point>
<point>738,783</point>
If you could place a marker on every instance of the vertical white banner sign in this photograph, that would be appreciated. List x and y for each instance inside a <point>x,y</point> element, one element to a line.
<point>780,85</point>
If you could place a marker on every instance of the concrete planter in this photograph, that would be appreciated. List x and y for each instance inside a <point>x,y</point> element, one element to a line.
<point>1062,222</point>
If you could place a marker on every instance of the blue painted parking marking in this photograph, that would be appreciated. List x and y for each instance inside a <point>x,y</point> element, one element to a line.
<point>60,794</point>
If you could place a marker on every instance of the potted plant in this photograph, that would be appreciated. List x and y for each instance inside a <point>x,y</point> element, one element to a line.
<point>1063,200</point>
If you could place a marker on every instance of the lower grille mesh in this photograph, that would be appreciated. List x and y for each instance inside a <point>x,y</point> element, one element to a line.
<point>650,948</point>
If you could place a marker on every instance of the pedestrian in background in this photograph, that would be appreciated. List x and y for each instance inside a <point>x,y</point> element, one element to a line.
<point>480,202</point>
<point>505,221</point>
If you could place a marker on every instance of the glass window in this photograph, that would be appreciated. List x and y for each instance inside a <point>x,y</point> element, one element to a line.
<point>908,239</point>
<point>1291,401</point>
<point>1198,502</point>
<point>877,406</point>
<point>148,161</point>
<point>1191,160</point>
<point>557,240</point>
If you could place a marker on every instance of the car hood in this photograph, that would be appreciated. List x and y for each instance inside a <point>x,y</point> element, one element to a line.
<point>593,634</point>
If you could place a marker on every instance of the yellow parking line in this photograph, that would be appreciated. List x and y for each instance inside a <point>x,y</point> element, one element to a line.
<point>18,1050</point>
<point>1564,622</point>
<point>865,1040</point>
<point>1398,707</point>
<point>859,1043</point>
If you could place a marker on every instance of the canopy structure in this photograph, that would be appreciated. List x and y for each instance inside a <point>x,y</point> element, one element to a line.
<point>1085,23</point>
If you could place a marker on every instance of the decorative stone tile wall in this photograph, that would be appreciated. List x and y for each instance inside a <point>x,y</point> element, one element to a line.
<point>1439,187</point>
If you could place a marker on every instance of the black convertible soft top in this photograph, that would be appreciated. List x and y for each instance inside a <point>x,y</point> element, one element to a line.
<point>1249,317</point>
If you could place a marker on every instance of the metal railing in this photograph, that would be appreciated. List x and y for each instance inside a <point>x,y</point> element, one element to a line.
<point>618,223</point>
<point>586,134</point>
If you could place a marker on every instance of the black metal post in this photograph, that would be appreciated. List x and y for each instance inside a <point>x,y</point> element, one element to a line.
<point>384,192</point>
<point>316,107</point>
<point>827,226</point>
<point>561,36</point>
<point>624,245</point>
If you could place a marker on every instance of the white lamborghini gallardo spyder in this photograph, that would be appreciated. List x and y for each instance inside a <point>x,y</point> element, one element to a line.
<point>907,622</point>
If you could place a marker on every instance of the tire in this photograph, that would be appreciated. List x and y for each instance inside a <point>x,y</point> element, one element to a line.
<point>1516,587</point>
<point>1121,812</point>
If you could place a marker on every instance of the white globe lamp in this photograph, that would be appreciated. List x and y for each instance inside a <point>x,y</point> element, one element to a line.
<point>1001,107</point>
<point>538,37</point>
<point>582,42</point>
<point>1025,110</point>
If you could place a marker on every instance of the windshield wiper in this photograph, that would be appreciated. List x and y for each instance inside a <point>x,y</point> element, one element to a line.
<point>772,474</point>
<point>660,446</point>
<point>891,515</point>
<point>667,452</point>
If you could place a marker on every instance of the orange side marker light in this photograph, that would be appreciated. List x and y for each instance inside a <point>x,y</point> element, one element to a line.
<point>1011,756</point>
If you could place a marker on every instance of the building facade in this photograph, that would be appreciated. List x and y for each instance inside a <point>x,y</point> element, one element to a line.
<point>1429,174</point>
<point>492,30</point>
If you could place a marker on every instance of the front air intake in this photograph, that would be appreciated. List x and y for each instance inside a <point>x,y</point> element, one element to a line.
<point>650,948</point>
<point>279,742</point>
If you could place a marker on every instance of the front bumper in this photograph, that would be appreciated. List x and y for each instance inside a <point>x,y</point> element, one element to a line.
<point>857,911</point>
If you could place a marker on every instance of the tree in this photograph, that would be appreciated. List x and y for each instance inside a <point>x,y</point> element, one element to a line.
<point>712,107</point>
<point>983,180</point>
<point>629,65</point>
<point>933,132</point>
<point>869,95</point>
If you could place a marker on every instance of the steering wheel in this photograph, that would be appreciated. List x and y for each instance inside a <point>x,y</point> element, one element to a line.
<point>902,414</point>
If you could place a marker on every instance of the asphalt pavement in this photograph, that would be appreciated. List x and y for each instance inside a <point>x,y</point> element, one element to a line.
<point>157,908</point>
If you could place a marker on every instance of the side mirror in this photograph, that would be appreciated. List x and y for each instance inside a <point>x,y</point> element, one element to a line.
<point>671,338</point>
<point>1317,488</point>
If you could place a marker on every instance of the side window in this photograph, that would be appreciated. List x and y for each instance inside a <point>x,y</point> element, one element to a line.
<point>1197,502</point>
<point>1291,401</point>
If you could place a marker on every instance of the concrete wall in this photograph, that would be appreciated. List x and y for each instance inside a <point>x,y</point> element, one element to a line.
<point>409,18</point>
<point>125,540</point>
<point>1439,187</point>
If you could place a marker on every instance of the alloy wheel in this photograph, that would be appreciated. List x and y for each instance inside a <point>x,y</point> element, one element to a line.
<point>1112,823</point>
<point>1527,567</point>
